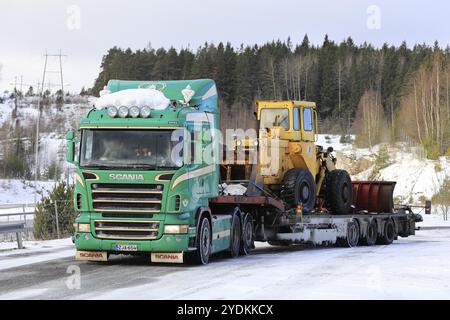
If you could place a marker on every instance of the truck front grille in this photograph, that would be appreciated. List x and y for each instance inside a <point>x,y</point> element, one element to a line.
<point>127,197</point>
<point>126,230</point>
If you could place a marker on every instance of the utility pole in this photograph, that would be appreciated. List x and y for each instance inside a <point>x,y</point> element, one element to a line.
<point>40,94</point>
<point>57,219</point>
<point>36,143</point>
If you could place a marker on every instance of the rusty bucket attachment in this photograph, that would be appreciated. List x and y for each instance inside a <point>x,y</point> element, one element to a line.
<point>374,196</point>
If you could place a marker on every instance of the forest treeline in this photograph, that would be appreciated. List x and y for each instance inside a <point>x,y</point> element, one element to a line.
<point>379,93</point>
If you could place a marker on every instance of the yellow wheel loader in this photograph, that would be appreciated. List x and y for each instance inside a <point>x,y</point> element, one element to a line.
<point>292,165</point>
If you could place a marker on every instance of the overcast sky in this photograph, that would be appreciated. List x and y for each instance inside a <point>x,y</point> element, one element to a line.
<point>85,30</point>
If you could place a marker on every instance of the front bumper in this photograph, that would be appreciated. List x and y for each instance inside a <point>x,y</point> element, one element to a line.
<point>167,243</point>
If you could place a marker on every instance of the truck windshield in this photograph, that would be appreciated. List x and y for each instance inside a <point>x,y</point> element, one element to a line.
<point>134,149</point>
<point>271,118</point>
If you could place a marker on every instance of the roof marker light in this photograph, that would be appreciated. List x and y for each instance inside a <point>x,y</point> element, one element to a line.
<point>123,112</point>
<point>145,111</point>
<point>134,112</point>
<point>112,111</point>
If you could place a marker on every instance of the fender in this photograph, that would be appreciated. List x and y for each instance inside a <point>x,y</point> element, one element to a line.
<point>200,212</point>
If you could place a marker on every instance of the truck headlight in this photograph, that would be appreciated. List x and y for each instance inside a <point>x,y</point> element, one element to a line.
<point>123,112</point>
<point>84,227</point>
<point>176,229</point>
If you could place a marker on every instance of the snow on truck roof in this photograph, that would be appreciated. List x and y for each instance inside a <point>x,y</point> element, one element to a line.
<point>134,97</point>
<point>158,94</point>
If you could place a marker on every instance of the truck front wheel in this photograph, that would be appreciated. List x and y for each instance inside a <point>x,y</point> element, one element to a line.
<point>202,254</point>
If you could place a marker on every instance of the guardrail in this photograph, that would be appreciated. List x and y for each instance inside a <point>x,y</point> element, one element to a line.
<point>15,227</point>
<point>16,206</point>
<point>17,214</point>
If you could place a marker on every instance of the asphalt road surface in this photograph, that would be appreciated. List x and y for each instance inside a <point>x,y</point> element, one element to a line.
<point>413,268</point>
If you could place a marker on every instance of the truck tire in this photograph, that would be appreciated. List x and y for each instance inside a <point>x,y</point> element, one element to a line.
<point>388,233</point>
<point>371,235</point>
<point>202,255</point>
<point>339,192</point>
<point>235,236</point>
<point>352,238</point>
<point>299,187</point>
<point>247,242</point>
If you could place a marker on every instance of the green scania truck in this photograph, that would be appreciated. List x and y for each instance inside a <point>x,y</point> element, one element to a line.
<point>150,181</point>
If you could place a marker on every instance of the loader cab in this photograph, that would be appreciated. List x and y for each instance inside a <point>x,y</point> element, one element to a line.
<point>295,120</point>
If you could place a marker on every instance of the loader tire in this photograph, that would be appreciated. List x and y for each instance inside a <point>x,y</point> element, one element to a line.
<point>299,187</point>
<point>339,192</point>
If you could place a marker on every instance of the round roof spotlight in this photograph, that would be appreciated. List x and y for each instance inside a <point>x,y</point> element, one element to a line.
<point>123,112</point>
<point>145,111</point>
<point>134,112</point>
<point>112,111</point>
<point>255,143</point>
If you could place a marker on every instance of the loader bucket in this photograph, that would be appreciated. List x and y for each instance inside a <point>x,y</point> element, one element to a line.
<point>374,196</point>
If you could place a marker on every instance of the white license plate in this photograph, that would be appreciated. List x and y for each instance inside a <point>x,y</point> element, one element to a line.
<point>126,247</point>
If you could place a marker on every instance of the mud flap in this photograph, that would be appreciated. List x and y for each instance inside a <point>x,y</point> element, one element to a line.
<point>167,257</point>
<point>91,256</point>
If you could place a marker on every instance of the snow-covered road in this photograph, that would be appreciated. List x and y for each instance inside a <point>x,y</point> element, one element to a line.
<point>413,268</point>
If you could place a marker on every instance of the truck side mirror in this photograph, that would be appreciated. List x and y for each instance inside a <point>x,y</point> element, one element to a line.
<point>70,153</point>
<point>428,207</point>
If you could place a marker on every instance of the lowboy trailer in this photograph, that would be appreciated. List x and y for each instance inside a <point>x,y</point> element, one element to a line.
<point>145,184</point>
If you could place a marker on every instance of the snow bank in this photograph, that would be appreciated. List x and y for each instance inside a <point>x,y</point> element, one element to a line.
<point>416,178</point>
<point>5,112</point>
<point>22,192</point>
<point>134,97</point>
<point>329,140</point>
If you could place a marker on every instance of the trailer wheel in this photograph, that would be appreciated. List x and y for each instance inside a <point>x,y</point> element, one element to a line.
<point>235,235</point>
<point>299,187</point>
<point>371,236</point>
<point>247,243</point>
<point>339,192</point>
<point>352,238</point>
<point>202,254</point>
<point>388,233</point>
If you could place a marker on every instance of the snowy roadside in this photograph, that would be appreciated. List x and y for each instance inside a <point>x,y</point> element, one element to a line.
<point>34,252</point>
